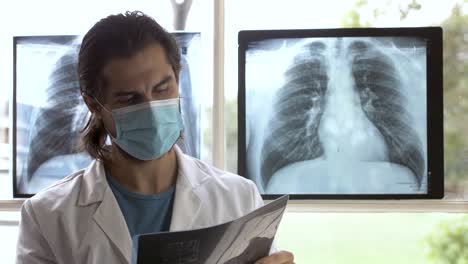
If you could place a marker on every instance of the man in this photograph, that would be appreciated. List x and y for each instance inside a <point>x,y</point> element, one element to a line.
<point>128,70</point>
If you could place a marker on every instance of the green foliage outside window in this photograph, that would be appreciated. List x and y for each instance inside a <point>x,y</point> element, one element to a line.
<point>448,242</point>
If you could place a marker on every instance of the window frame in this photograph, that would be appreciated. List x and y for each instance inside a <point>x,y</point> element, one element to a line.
<point>9,207</point>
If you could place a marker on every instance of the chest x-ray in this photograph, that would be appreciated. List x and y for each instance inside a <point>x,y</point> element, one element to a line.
<point>341,115</point>
<point>50,113</point>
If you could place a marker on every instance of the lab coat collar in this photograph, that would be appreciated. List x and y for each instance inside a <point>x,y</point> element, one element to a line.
<point>108,216</point>
<point>94,185</point>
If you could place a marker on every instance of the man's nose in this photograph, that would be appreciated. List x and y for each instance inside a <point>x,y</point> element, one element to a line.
<point>147,97</point>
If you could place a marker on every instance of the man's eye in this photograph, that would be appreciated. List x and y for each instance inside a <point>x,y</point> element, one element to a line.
<point>162,89</point>
<point>128,99</point>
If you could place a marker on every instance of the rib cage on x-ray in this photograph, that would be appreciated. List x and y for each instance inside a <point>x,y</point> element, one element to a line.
<point>299,105</point>
<point>56,129</point>
<point>379,86</point>
<point>292,134</point>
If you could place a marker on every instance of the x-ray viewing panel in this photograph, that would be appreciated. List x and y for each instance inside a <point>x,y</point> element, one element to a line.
<point>342,113</point>
<point>49,113</point>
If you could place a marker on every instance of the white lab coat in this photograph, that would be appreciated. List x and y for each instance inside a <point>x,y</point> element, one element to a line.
<point>78,220</point>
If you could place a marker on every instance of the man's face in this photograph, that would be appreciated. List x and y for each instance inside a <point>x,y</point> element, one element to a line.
<point>144,77</point>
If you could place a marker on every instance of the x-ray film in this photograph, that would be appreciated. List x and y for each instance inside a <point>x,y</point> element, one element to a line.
<point>243,240</point>
<point>337,115</point>
<point>49,112</point>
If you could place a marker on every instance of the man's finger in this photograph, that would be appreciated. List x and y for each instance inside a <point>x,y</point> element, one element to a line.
<point>282,257</point>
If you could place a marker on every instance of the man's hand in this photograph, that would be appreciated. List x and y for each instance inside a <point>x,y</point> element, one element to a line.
<point>282,257</point>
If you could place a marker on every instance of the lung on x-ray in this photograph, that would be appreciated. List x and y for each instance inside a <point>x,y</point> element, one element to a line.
<point>342,113</point>
<point>49,111</point>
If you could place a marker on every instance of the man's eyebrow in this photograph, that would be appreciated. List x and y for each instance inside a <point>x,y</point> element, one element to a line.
<point>165,80</point>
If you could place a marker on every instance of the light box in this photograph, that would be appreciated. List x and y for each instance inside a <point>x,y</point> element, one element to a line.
<point>342,113</point>
<point>49,113</point>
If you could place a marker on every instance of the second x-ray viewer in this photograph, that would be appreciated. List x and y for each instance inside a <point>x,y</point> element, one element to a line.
<point>345,116</point>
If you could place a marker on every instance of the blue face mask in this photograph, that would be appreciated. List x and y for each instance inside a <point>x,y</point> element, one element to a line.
<point>149,130</point>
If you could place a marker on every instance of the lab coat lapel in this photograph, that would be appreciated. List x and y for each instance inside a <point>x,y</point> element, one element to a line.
<point>110,219</point>
<point>185,209</point>
<point>187,202</point>
<point>108,215</point>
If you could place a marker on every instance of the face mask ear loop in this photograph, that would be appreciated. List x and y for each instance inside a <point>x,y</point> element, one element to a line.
<point>180,111</point>
<point>180,105</point>
<point>112,116</point>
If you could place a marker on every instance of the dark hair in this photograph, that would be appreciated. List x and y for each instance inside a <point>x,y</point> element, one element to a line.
<point>116,36</point>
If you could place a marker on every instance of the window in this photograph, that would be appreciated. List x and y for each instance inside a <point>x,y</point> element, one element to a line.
<point>300,14</point>
<point>57,18</point>
<point>309,229</point>
<point>314,236</point>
